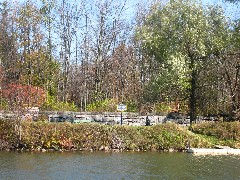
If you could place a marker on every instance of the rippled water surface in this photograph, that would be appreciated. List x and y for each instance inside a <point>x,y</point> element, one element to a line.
<point>124,165</point>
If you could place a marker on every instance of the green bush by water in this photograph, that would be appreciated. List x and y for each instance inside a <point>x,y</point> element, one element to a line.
<point>223,133</point>
<point>8,134</point>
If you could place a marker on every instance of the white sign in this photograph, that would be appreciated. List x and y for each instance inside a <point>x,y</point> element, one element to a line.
<point>33,110</point>
<point>122,107</point>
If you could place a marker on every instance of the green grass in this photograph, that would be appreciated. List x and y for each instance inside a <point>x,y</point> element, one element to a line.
<point>221,133</point>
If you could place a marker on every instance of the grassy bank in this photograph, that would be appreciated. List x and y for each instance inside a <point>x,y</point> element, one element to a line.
<point>221,133</point>
<point>64,136</point>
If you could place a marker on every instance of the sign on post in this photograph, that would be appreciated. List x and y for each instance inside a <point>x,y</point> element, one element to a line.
<point>122,107</point>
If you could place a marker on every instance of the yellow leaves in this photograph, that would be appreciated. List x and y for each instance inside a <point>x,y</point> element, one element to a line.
<point>48,144</point>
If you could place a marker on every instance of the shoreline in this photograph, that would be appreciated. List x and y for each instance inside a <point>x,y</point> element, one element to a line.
<point>169,137</point>
<point>193,151</point>
<point>95,137</point>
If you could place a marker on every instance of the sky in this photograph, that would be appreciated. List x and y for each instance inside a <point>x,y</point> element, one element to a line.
<point>231,10</point>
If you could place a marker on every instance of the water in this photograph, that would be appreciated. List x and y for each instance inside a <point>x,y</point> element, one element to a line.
<point>124,165</point>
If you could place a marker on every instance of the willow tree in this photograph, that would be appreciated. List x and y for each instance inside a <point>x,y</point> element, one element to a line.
<point>182,36</point>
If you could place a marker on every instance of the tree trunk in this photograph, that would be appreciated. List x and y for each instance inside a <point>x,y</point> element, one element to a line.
<point>193,97</point>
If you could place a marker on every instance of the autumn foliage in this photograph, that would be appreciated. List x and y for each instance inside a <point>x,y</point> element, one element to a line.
<point>24,95</point>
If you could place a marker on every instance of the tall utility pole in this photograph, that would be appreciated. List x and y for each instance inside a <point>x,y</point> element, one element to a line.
<point>86,63</point>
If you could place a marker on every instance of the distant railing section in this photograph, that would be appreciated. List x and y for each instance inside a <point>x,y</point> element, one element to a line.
<point>129,118</point>
<point>132,119</point>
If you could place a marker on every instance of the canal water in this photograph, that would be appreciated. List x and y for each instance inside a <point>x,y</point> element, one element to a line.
<point>123,165</point>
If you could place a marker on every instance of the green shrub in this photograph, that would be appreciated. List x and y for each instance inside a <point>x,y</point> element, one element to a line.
<point>53,104</point>
<point>132,106</point>
<point>8,134</point>
<point>221,130</point>
<point>103,106</point>
<point>110,105</point>
<point>226,132</point>
<point>162,107</point>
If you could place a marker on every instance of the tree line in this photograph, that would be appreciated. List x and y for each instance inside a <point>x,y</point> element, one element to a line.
<point>90,56</point>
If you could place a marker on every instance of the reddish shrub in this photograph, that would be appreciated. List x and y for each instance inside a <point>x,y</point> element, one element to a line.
<point>23,94</point>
